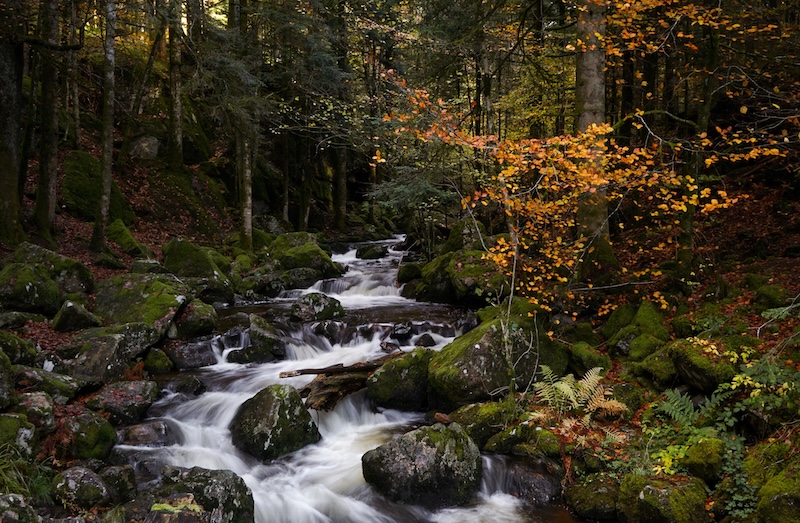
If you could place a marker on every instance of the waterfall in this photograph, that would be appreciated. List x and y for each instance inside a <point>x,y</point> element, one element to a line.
<point>323,482</point>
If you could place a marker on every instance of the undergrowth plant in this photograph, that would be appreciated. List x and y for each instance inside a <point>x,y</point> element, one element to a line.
<point>566,394</point>
<point>20,476</point>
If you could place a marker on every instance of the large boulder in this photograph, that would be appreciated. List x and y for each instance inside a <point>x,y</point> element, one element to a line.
<point>433,466</point>
<point>103,354</point>
<point>124,402</point>
<point>81,487</point>
<point>594,497</point>
<point>657,500</point>
<point>462,277</point>
<point>701,370</point>
<point>646,321</point>
<point>81,189</point>
<point>17,432</point>
<point>402,383</point>
<point>16,508</point>
<point>265,345</point>
<point>197,319</point>
<point>60,387</point>
<point>483,420</point>
<point>30,288</point>
<point>84,434</point>
<point>187,260</point>
<point>316,306</point>
<point>272,423</point>
<point>73,316</point>
<point>151,433</point>
<point>72,277</point>
<point>39,409</point>
<point>154,299</point>
<point>466,234</point>
<point>192,355</point>
<point>300,250</point>
<point>18,350</point>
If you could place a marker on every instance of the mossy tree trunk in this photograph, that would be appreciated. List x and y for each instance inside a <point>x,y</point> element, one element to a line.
<point>10,108</point>
<point>99,232</point>
<point>46,190</point>
<point>73,86</point>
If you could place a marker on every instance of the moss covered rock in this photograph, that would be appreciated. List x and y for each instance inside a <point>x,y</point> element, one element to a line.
<point>316,306</point>
<point>697,368</point>
<point>157,362</point>
<point>60,387</point>
<point>154,299</point>
<point>80,189</point>
<point>266,343</point>
<point>408,272</point>
<point>594,497</point>
<point>655,500</point>
<point>483,420</point>
<point>87,434</point>
<point>30,288</point>
<point>703,459</point>
<point>583,357</point>
<point>779,498</point>
<point>466,234</point>
<point>433,466</point>
<point>17,508</point>
<point>73,277</point>
<point>272,423</point>
<point>105,353</point>
<point>620,317</point>
<point>81,487</point>
<point>16,431</point>
<point>198,319</point>
<point>525,437</point>
<point>7,392</point>
<point>124,402</point>
<point>301,250</point>
<point>119,233</point>
<point>647,321</point>
<point>462,277</point>
<point>18,350</point>
<point>402,383</point>
<point>643,346</point>
<point>39,409</point>
<point>73,316</point>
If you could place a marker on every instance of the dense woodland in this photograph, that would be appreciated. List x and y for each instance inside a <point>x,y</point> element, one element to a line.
<point>606,151</point>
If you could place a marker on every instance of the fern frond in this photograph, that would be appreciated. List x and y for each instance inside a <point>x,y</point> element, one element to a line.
<point>589,384</point>
<point>679,407</point>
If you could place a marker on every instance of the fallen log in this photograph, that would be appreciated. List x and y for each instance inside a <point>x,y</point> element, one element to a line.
<point>337,381</point>
<point>340,368</point>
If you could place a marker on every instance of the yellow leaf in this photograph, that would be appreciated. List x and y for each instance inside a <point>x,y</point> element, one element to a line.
<point>743,109</point>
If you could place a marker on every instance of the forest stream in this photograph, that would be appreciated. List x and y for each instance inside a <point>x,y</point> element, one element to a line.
<point>323,482</point>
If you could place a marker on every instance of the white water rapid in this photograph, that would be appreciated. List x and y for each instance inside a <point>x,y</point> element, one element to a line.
<point>323,482</point>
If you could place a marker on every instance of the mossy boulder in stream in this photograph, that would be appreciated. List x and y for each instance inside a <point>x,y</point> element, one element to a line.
<point>462,277</point>
<point>300,250</point>
<point>266,343</point>
<point>657,500</point>
<point>435,466</point>
<point>483,420</point>
<point>86,434</point>
<point>316,306</point>
<point>198,319</point>
<point>594,497</point>
<point>272,423</point>
<point>402,383</point>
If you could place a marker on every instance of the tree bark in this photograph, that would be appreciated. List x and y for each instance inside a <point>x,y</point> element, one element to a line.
<point>598,261</point>
<point>246,192</point>
<point>10,110</point>
<point>73,89</point>
<point>46,190</point>
<point>176,105</point>
<point>97,243</point>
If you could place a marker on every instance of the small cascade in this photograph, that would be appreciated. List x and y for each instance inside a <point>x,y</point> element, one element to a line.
<point>322,482</point>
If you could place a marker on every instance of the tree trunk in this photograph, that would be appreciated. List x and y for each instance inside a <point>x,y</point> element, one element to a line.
<point>286,178</point>
<point>45,210</point>
<point>73,85</point>
<point>246,191</point>
<point>195,19</point>
<point>107,135</point>
<point>340,189</point>
<point>175,106</point>
<point>10,109</point>
<point>598,260</point>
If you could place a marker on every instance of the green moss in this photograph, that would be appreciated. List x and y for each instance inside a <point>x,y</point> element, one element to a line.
<point>643,346</point>
<point>408,272</point>
<point>121,235</point>
<point>17,349</point>
<point>769,297</point>
<point>308,255</point>
<point>157,362</point>
<point>683,326</point>
<point>464,235</point>
<point>697,368</point>
<point>704,460</point>
<point>29,288</point>
<point>621,317</point>
<point>765,460</point>
<point>183,258</point>
<point>644,498</point>
<point>81,186</point>
<point>753,281</point>
<point>583,357</point>
<point>594,497</point>
<point>525,437</point>
<point>779,498</point>
<point>658,367</point>
<point>483,420</point>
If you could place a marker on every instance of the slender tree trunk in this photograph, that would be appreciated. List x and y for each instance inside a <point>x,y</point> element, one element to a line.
<point>246,193</point>
<point>590,91</point>
<point>195,18</point>
<point>175,106</point>
<point>46,190</point>
<point>10,110</point>
<point>73,86</point>
<point>98,234</point>
<point>285,170</point>
<point>340,189</point>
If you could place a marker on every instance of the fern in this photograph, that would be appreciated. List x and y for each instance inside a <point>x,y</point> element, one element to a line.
<point>679,407</point>
<point>567,394</point>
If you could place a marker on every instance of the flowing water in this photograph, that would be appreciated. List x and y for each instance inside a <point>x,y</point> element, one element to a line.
<point>323,482</point>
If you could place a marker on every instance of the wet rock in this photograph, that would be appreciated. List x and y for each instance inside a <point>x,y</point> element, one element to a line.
<point>483,420</point>
<point>468,369</point>
<point>14,508</point>
<point>333,331</point>
<point>18,350</point>
<point>124,402</point>
<point>316,306</point>
<point>534,482</point>
<point>296,250</point>
<point>157,361</point>
<point>643,498</point>
<point>265,344</point>
<point>426,340</point>
<point>198,319</point>
<point>300,278</point>
<point>153,433</point>
<point>60,387</point>
<point>190,385</point>
<point>192,355</point>
<point>86,434</point>
<point>463,277</point>
<point>121,482</point>
<point>74,317</point>
<point>594,497</point>
<point>272,423</point>
<point>221,494</point>
<point>402,331</point>
<point>153,299</point>
<point>402,383</point>
<point>104,354</point>
<point>371,252</point>
<point>409,272</point>
<point>433,466</point>
<point>39,409</point>
<point>79,486</point>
